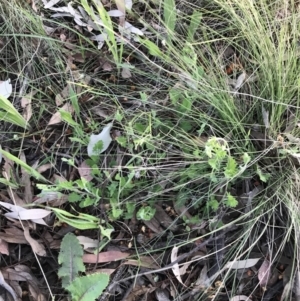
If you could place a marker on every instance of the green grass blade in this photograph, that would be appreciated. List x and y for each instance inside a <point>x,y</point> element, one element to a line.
<point>11,114</point>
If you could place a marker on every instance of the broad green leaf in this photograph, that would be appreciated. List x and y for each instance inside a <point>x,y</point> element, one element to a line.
<point>89,287</point>
<point>70,258</point>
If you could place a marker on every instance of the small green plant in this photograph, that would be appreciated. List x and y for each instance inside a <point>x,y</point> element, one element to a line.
<point>145,213</point>
<point>83,288</point>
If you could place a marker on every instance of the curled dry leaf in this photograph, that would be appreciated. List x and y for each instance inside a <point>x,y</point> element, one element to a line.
<point>35,245</point>
<point>104,257</point>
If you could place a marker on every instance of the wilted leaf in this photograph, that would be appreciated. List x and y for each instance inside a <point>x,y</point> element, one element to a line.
<point>37,248</point>
<point>5,88</point>
<point>99,143</point>
<point>104,257</point>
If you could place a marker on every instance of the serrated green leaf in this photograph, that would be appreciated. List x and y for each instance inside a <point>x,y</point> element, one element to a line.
<point>246,158</point>
<point>231,168</point>
<point>89,287</point>
<point>231,201</point>
<point>70,258</point>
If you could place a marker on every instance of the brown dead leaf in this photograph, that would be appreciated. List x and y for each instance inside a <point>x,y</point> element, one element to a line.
<point>26,105</point>
<point>44,167</point>
<point>85,171</point>
<point>25,181</point>
<point>13,235</point>
<point>104,257</point>
<point>37,248</point>
<point>16,287</point>
<point>56,118</point>
<point>16,275</point>
<point>7,287</point>
<point>4,247</point>
<point>264,273</point>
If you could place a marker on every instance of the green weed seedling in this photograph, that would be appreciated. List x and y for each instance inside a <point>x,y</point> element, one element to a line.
<point>83,288</point>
